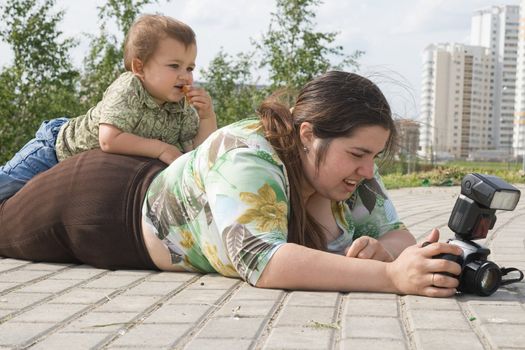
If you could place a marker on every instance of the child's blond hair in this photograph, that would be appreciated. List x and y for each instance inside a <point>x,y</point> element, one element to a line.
<point>146,32</point>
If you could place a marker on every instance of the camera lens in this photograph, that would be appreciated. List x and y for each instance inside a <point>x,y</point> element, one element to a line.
<point>481,277</point>
<point>488,278</point>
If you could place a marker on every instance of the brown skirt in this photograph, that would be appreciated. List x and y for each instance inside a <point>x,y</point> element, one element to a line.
<point>86,209</point>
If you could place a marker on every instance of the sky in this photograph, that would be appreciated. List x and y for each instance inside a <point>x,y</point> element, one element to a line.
<point>392,33</point>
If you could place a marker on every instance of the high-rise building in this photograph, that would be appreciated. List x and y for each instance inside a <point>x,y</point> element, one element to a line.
<point>496,28</point>
<point>519,106</point>
<point>455,101</point>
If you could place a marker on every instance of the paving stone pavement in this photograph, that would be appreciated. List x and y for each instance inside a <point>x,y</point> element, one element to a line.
<point>54,306</point>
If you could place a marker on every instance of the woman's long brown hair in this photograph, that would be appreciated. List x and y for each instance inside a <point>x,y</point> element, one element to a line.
<point>336,104</point>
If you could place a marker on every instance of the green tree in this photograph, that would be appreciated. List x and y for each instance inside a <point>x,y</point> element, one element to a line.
<point>230,84</point>
<point>40,83</point>
<point>293,52</point>
<point>105,59</point>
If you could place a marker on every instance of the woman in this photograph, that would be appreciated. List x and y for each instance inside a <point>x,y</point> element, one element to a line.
<point>279,201</point>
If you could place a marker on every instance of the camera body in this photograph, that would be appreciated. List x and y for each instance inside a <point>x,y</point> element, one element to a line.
<point>478,275</point>
<point>472,217</point>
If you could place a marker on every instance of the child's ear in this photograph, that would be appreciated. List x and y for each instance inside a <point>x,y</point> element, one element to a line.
<point>137,67</point>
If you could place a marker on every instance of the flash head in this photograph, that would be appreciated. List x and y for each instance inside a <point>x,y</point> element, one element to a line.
<point>474,212</point>
<point>490,191</point>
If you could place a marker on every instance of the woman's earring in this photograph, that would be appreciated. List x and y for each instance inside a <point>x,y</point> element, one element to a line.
<point>306,149</point>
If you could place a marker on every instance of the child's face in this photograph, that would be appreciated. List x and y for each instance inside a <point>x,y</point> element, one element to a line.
<point>168,70</point>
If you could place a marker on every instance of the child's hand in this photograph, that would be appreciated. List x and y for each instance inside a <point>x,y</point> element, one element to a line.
<point>201,100</point>
<point>169,154</point>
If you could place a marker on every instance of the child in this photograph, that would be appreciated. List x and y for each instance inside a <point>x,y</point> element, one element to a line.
<point>144,112</point>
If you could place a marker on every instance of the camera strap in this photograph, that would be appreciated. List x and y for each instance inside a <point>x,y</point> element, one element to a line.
<point>505,271</point>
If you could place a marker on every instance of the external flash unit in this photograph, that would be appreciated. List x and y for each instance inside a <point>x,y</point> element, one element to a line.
<point>472,218</point>
<point>481,195</point>
<point>490,191</point>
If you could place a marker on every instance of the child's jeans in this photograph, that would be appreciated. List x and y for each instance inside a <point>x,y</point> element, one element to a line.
<point>35,157</point>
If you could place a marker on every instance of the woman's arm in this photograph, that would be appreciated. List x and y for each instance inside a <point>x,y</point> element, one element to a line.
<point>297,267</point>
<point>396,241</point>
<point>386,248</point>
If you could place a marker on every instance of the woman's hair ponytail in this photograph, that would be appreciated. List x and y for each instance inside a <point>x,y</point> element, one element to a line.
<point>282,133</point>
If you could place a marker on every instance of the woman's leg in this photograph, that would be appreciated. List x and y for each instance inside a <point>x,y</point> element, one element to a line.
<point>86,209</point>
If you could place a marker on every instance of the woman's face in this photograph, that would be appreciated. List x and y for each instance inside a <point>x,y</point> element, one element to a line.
<point>347,161</point>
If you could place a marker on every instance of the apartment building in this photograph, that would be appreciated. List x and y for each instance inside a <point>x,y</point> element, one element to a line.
<point>469,91</point>
<point>519,106</point>
<point>496,28</point>
<point>456,114</point>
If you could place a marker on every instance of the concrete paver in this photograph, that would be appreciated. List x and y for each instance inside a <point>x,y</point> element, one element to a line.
<point>60,306</point>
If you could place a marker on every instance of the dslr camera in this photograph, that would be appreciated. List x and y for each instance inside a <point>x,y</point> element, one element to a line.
<point>471,219</point>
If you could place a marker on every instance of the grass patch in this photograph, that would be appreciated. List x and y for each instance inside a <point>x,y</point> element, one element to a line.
<point>451,175</point>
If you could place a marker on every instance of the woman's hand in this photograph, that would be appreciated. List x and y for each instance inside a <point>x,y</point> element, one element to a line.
<point>415,272</point>
<point>368,248</point>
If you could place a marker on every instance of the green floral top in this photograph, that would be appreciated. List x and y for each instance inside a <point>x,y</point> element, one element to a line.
<point>224,207</point>
<point>129,107</point>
